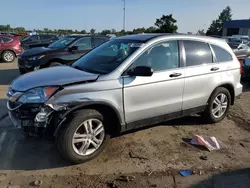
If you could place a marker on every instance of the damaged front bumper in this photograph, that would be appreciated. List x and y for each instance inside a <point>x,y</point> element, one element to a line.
<point>34,119</point>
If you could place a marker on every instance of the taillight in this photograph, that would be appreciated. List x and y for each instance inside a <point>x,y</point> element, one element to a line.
<point>240,62</point>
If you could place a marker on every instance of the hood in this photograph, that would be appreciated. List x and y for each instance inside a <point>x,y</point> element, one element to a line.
<point>40,51</point>
<point>54,76</point>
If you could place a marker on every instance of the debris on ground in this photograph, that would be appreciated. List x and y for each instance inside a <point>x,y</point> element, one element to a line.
<point>186,172</point>
<point>211,143</point>
<point>112,184</point>
<point>36,183</point>
<point>242,145</point>
<point>126,178</point>
<point>2,178</point>
<point>14,186</point>
<point>137,155</point>
<point>153,185</point>
<point>203,157</point>
<point>201,172</point>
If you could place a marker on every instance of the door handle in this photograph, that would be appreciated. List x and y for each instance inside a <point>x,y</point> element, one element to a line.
<point>214,69</point>
<point>175,75</point>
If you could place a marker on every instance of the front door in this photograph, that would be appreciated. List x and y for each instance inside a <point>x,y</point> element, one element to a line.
<point>158,97</point>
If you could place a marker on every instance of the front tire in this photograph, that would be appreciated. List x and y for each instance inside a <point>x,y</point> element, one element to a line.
<point>218,105</point>
<point>22,71</point>
<point>8,56</point>
<point>84,138</point>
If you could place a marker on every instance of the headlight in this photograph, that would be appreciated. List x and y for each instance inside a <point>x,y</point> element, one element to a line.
<point>37,95</point>
<point>35,57</point>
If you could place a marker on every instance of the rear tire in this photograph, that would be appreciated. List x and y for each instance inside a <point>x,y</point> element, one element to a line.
<point>215,113</point>
<point>78,151</point>
<point>8,56</point>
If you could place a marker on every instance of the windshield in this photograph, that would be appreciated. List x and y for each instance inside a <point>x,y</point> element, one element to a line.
<point>108,56</point>
<point>62,43</point>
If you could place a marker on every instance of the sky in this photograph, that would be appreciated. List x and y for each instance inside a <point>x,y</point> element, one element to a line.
<point>191,15</point>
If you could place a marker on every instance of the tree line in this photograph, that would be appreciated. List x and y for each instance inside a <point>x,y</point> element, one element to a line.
<point>164,24</point>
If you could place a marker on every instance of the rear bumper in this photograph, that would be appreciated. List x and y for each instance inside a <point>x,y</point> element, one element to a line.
<point>238,89</point>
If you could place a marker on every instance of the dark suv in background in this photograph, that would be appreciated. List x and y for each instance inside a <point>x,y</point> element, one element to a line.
<point>64,51</point>
<point>38,41</point>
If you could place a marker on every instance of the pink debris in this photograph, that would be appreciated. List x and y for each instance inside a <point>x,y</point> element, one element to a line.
<point>211,143</point>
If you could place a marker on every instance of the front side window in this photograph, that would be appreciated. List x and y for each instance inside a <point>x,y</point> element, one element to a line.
<point>62,43</point>
<point>161,57</point>
<point>108,56</point>
<point>221,54</point>
<point>83,43</point>
<point>197,53</point>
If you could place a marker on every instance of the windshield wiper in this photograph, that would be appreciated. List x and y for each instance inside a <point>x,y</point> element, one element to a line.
<point>90,70</point>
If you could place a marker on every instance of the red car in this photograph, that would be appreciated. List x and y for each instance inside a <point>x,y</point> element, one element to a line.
<point>10,47</point>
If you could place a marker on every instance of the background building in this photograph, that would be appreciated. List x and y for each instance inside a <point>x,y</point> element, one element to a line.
<point>236,27</point>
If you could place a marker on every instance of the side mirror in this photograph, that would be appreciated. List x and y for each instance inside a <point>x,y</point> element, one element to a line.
<point>240,48</point>
<point>73,48</point>
<point>141,71</point>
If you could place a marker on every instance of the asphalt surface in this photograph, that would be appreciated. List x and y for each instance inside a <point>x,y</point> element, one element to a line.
<point>153,155</point>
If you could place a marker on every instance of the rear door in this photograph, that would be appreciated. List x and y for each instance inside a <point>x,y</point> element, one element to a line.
<point>202,75</point>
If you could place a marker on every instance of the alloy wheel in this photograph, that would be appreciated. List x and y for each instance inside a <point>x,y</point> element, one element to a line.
<point>8,56</point>
<point>220,105</point>
<point>88,137</point>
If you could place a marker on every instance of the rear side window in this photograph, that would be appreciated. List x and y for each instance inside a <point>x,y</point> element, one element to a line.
<point>221,54</point>
<point>197,53</point>
<point>6,39</point>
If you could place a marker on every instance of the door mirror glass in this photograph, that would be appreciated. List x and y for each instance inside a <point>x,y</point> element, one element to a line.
<point>73,48</point>
<point>141,71</point>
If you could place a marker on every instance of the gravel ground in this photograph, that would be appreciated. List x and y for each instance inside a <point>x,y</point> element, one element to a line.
<point>151,157</point>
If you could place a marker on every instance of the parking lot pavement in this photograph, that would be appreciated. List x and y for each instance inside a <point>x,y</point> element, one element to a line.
<point>8,72</point>
<point>161,146</point>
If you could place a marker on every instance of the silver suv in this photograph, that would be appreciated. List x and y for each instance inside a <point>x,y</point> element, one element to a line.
<point>126,83</point>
